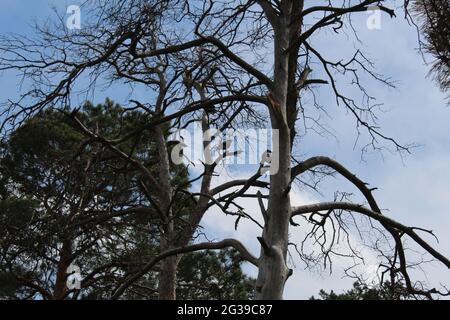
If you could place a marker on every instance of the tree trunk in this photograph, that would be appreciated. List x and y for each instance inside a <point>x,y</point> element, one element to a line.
<point>273,271</point>
<point>168,271</point>
<point>64,262</point>
<point>168,278</point>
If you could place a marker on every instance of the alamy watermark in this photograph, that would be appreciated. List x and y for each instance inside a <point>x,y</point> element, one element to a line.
<point>73,22</point>
<point>374,20</point>
<point>74,277</point>
<point>229,147</point>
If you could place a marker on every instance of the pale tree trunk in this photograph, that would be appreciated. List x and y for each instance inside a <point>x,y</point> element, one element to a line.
<point>273,271</point>
<point>167,278</point>
<point>168,271</point>
<point>178,238</point>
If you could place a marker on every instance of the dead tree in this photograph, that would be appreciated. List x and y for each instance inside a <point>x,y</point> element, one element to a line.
<point>121,44</point>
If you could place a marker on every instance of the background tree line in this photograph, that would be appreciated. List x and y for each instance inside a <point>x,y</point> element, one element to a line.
<point>61,206</point>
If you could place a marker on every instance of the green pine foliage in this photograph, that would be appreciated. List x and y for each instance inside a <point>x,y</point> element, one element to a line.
<point>58,187</point>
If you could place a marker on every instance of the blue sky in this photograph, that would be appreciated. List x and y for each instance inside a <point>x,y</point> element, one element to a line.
<point>415,188</point>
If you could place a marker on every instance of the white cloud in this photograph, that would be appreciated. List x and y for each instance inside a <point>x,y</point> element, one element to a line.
<point>304,283</point>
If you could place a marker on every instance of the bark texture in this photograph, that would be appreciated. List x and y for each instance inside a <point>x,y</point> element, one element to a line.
<point>273,270</point>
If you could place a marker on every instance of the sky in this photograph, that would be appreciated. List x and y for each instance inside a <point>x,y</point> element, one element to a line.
<point>415,188</point>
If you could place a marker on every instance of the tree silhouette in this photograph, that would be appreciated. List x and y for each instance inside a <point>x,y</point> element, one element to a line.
<point>361,291</point>
<point>227,64</point>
